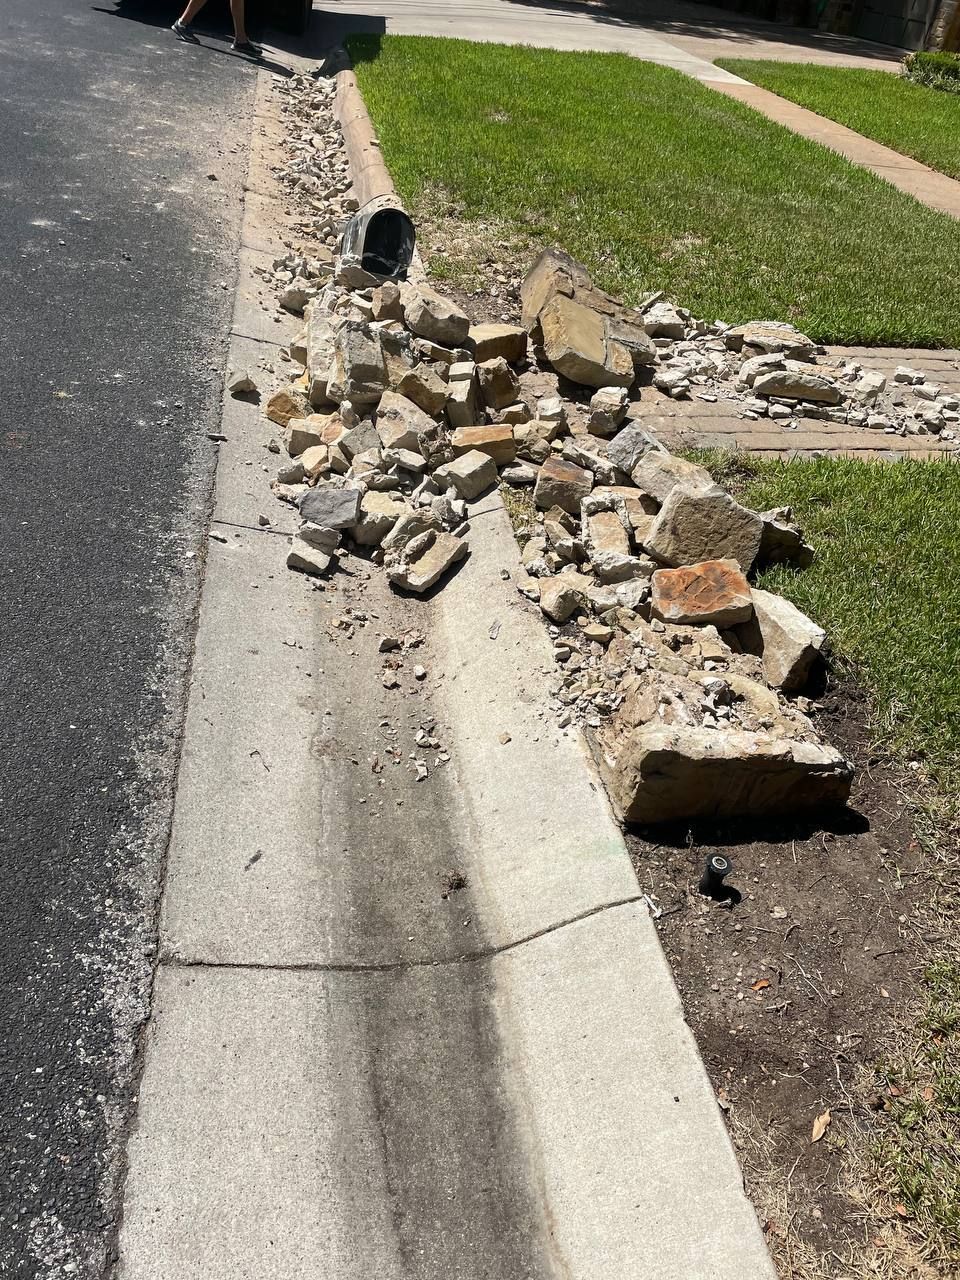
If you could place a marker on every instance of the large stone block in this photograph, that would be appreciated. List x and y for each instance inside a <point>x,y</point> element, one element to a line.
<point>358,371</point>
<point>714,591</point>
<point>490,341</point>
<point>656,474</point>
<point>575,342</point>
<point>400,423</point>
<point>703,523</point>
<point>471,474</point>
<point>561,484</point>
<point>786,639</point>
<point>667,773</point>
<point>496,441</point>
<point>433,316</point>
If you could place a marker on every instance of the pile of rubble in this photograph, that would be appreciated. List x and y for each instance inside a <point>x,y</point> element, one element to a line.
<point>689,680</point>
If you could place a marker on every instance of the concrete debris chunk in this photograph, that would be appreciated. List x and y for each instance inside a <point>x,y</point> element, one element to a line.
<point>699,522</point>
<point>714,591</point>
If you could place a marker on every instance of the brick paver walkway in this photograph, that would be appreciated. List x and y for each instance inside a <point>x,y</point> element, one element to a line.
<point>700,424</point>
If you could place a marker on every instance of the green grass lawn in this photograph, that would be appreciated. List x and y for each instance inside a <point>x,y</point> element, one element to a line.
<point>884,583</point>
<point>913,119</point>
<point>654,181</point>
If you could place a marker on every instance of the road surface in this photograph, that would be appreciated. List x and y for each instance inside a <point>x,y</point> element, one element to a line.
<point>122,156</point>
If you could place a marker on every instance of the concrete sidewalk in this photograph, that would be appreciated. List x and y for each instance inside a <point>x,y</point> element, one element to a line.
<point>684,36</point>
<point>931,188</point>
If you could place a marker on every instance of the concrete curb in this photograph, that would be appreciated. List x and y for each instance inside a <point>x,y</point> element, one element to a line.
<point>371,178</point>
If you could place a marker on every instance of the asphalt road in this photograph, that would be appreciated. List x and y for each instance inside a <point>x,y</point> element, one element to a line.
<point>117,260</point>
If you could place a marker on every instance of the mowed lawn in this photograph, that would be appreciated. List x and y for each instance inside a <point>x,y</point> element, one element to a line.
<point>911,118</point>
<point>656,182</point>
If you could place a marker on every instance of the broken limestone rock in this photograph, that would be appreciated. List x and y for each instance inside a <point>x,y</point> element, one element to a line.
<point>433,316</point>
<point>284,405</point>
<point>471,474</point>
<point>782,541</point>
<point>497,341</point>
<point>769,336</point>
<point>311,550</point>
<point>386,303</point>
<point>358,371</point>
<point>714,591</point>
<point>556,274</point>
<point>789,642</point>
<point>662,773</point>
<point>561,484</point>
<point>463,402</point>
<point>629,445</point>
<point>362,438</point>
<point>562,596</point>
<point>699,522</point>
<point>426,559</point>
<point>240,383</point>
<point>331,508</point>
<point>400,423</point>
<point>498,383</point>
<point>497,442</point>
<point>663,320</point>
<point>657,474</point>
<point>608,408</point>
<point>575,342</point>
<point>425,388</point>
<point>379,512</point>
<point>797,383</point>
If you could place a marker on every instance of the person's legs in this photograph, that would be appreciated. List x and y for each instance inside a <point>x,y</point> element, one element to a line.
<point>239,21</point>
<point>190,12</point>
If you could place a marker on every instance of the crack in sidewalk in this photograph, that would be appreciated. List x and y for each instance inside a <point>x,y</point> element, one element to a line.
<point>469,957</point>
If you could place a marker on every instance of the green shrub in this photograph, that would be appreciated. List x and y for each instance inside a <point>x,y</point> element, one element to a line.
<point>938,70</point>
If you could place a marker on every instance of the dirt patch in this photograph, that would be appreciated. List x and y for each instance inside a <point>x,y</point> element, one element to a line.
<point>796,991</point>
